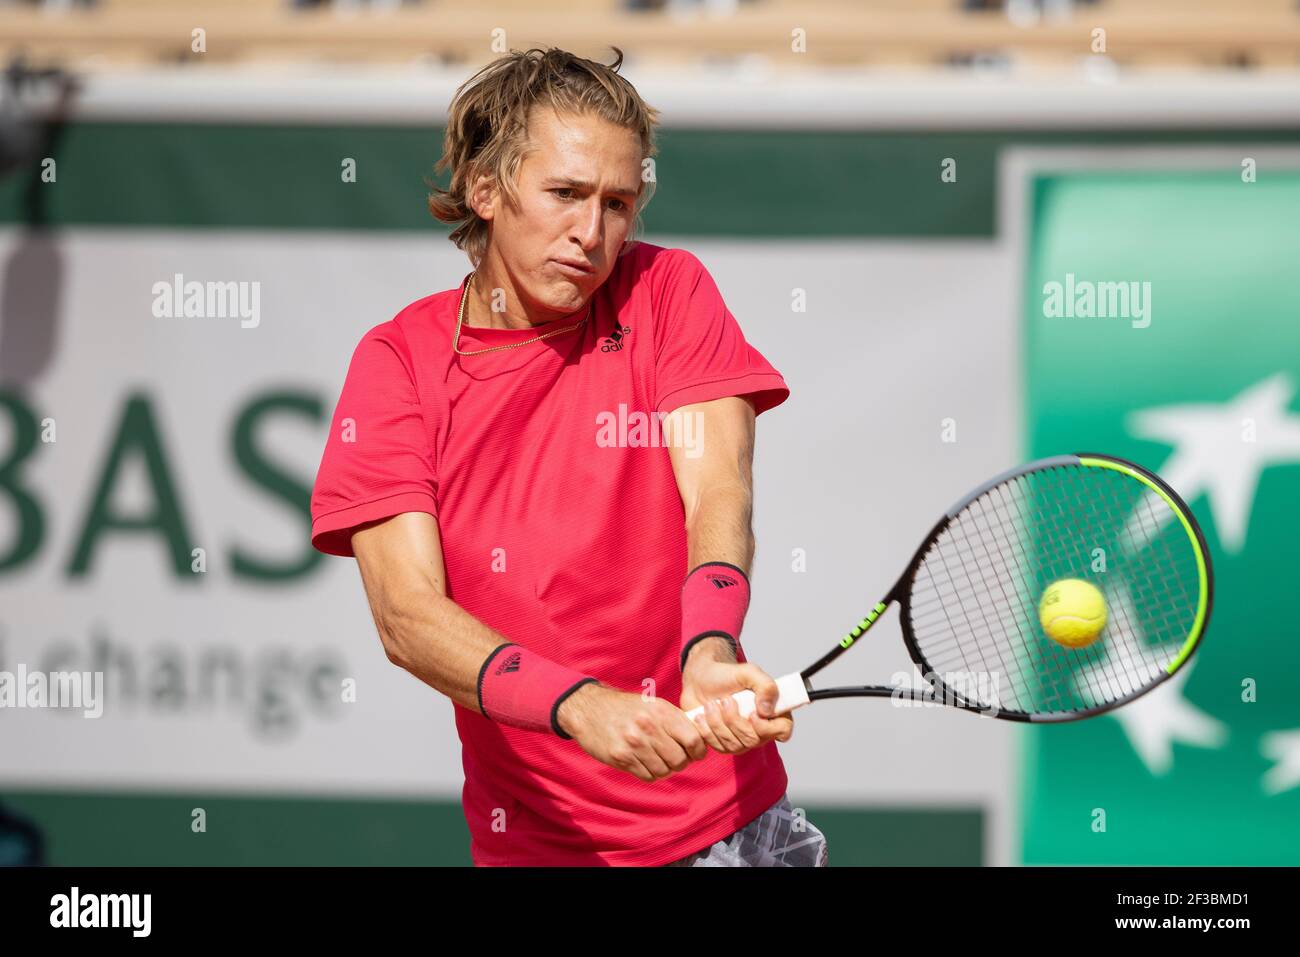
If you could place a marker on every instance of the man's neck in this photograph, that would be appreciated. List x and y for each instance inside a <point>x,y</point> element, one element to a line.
<point>478,310</point>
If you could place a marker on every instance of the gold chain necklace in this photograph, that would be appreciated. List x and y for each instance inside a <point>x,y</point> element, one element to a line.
<point>460,318</point>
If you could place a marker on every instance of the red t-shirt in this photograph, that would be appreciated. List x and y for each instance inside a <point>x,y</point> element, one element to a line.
<point>563,529</point>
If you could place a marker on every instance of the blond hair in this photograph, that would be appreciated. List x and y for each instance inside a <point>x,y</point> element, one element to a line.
<point>487,127</point>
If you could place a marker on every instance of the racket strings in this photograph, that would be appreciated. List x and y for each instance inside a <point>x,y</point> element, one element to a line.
<point>1135,665</point>
<point>1139,645</point>
<point>996,530</point>
<point>1017,609</point>
<point>969,595</point>
<point>974,599</point>
<point>1105,684</point>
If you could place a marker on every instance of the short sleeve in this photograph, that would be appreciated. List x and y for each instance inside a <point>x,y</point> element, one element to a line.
<point>700,352</point>
<point>378,459</point>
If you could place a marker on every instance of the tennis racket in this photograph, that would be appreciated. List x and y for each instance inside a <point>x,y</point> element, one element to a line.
<point>969,599</point>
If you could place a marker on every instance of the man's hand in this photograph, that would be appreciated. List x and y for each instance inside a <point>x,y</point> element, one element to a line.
<point>646,737</point>
<point>712,675</point>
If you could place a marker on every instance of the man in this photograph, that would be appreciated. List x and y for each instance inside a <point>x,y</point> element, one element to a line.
<point>524,515</point>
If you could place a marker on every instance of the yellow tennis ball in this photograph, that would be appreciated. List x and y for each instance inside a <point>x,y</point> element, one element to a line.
<point>1072,612</point>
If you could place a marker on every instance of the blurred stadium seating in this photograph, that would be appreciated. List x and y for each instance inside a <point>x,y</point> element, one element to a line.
<point>1261,34</point>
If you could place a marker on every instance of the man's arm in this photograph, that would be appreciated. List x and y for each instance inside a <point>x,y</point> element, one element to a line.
<point>422,630</point>
<point>713,465</point>
<point>429,635</point>
<point>714,474</point>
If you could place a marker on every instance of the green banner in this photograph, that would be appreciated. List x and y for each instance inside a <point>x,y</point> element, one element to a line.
<point>1162,323</point>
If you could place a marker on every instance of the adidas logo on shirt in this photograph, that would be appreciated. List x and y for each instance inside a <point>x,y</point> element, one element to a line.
<point>510,665</point>
<point>614,343</point>
<point>721,581</point>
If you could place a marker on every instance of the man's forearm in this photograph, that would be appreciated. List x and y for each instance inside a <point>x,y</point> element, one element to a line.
<point>721,529</point>
<point>445,647</point>
<point>440,643</point>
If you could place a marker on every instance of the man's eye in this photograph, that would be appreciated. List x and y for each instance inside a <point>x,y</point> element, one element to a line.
<point>563,193</point>
<point>618,205</point>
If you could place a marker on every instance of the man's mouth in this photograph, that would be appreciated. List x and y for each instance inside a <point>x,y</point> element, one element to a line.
<point>570,266</point>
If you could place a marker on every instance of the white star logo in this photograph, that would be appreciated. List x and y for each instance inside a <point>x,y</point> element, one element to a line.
<point>1159,718</point>
<point>1221,449</point>
<point>1283,748</point>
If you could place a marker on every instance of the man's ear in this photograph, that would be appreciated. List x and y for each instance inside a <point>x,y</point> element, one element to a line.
<point>482,196</point>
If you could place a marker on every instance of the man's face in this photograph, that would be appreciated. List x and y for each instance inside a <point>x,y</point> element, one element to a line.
<point>577,188</point>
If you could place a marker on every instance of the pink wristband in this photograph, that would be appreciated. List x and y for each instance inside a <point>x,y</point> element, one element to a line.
<point>715,597</point>
<point>521,688</point>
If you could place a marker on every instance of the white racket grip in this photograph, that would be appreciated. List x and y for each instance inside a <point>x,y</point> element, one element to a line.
<point>793,694</point>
